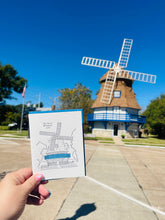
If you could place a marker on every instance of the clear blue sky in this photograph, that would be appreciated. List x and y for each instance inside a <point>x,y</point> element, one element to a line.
<point>46,40</point>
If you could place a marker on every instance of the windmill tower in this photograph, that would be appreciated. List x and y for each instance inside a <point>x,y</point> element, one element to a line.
<point>116,110</point>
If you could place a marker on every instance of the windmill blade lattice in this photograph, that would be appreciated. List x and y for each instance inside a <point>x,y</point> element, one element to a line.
<point>125,52</point>
<point>89,61</point>
<point>108,87</point>
<point>144,77</point>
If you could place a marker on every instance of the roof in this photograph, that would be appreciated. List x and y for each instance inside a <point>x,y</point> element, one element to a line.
<point>123,74</point>
<point>127,98</point>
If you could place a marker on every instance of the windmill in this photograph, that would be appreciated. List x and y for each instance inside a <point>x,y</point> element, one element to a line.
<point>116,111</point>
<point>117,70</point>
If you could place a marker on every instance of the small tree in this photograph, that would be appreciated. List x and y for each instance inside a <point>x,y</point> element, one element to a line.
<point>155,116</point>
<point>77,98</point>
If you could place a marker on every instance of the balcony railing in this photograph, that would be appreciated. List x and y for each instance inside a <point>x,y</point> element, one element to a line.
<point>116,117</point>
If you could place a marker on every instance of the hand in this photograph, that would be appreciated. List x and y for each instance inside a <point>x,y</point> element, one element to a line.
<point>19,188</point>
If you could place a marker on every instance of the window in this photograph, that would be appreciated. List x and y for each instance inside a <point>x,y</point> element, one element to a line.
<point>116,94</point>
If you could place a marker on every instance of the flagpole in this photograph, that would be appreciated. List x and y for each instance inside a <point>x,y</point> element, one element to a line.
<point>23,95</point>
<point>22,114</point>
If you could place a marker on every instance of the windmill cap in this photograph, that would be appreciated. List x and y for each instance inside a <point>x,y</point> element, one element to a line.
<point>121,73</point>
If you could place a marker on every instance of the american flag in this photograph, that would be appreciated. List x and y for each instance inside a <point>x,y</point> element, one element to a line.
<point>24,89</point>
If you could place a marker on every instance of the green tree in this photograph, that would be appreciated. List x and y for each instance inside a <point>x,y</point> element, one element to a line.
<point>155,116</point>
<point>9,118</point>
<point>12,113</point>
<point>4,109</point>
<point>77,98</point>
<point>9,81</point>
<point>40,104</point>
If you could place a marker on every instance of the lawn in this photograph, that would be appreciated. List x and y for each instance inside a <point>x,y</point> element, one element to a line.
<point>151,141</point>
<point>98,138</point>
<point>107,142</point>
<point>148,141</point>
<point>101,139</point>
<point>12,133</point>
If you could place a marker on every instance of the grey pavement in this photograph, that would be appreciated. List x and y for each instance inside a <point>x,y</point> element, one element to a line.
<point>121,172</point>
<point>118,141</point>
<point>108,166</point>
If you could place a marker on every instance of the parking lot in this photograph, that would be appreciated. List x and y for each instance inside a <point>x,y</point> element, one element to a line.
<point>122,182</point>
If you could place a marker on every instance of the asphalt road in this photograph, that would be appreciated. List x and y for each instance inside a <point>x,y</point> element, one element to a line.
<point>122,183</point>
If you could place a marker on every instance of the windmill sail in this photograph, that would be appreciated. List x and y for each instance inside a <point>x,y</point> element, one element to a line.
<point>116,70</point>
<point>108,87</point>
<point>97,62</point>
<point>144,77</point>
<point>125,52</point>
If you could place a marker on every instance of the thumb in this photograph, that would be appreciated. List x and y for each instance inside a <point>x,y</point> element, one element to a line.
<point>31,183</point>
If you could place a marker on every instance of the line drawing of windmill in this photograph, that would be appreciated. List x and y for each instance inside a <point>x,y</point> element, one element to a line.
<point>60,151</point>
<point>116,70</point>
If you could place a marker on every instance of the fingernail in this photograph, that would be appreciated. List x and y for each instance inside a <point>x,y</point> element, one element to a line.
<point>49,193</point>
<point>39,177</point>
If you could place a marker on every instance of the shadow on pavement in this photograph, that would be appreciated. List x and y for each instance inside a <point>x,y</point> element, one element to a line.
<point>84,210</point>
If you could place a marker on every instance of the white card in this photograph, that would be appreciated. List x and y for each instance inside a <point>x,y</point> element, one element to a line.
<point>57,144</point>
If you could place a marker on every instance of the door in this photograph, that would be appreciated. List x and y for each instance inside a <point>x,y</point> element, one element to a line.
<point>115,130</point>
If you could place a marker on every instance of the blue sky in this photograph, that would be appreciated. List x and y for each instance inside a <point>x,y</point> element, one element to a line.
<point>46,40</point>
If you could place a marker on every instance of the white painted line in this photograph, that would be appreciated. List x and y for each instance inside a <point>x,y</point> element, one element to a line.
<point>126,196</point>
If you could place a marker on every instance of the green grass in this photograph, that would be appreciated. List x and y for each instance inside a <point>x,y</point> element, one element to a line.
<point>90,138</point>
<point>4,127</point>
<point>104,139</point>
<point>151,141</point>
<point>9,136</point>
<point>12,133</point>
<point>106,142</point>
<point>98,138</point>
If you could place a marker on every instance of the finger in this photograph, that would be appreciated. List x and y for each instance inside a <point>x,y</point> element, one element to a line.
<point>31,200</point>
<point>41,191</point>
<point>21,175</point>
<point>44,181</point>
<point>30,184</point>
<point>35,192</point>
<point>37,195</point>
<point>25,172</point>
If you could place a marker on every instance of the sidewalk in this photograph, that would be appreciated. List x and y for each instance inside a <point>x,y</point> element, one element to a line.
<point>88,200</point>
<point>125,175</point>
<point>118,141</point>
